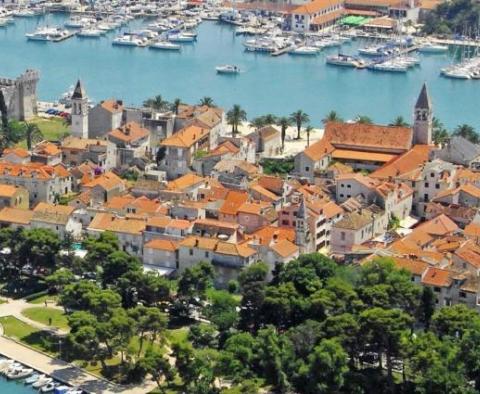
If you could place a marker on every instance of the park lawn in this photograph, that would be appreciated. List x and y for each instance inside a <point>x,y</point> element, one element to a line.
<point>43,298</point>
<point>43,315</point>
<point>29,335</point>
<point>52,129</point>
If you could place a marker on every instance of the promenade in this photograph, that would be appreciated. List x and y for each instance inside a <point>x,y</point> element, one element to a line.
<point>58,369</point>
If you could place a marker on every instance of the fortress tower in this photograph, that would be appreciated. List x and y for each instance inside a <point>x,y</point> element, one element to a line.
<point>20,95</point>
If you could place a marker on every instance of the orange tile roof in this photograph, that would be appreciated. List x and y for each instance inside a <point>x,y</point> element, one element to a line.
<point>200,243</point>
<point>345,154</point>
<point>233,201</point>
<point>368,136</point>
<point>416,267</point>
<point>441,225</point>
<point>328,17</point>
<point>315,6</point>
<point>119,202</point>
<point>472,230</point>
<point>437,277</point>
<point>331,209</point>
<point>162,244</point>
<point>232,249</point>
<point>112,106</point>
<point>9,190</point>
<point>430,4</point>
<point>470,253</point>
<point>272,183</point>
<point>253,208</point>
<point>184,182</point>
<point>109,222</point>
<point>268,195</point>
<point>129,132</point>
<point>223,149</point>
<point>186,137</point>
<point>16,215</point>
<point>284,248</point>
<point>77,143</point>
<point>54,209</point>
<point>467,188</point>
<point>319,150</point>
<point>266,234</point>
<point>20,152</point>
<point>107,181</point>
<point>46,148</point>
<point>382,21</point>
<point>33,170</point>
<point>216,223</point>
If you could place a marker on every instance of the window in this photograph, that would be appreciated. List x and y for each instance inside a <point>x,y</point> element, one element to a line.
<point>191,252</point>
<point>425,197</point>
<point>307,169</point>
<point>207,254</point>
<point>285,222</point>
<point>426,184</point>
<point>436,289</point>
<point>342,236</point>
<point>349,186</point>
<point>432,175</point>
<point>341,195</point>
<point>342,185</point>
<point>462,294</point>
<point>437,186</point>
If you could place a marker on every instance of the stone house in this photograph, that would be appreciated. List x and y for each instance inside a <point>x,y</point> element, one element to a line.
<point>104,117</point>
<point>129,142</point>
<point>76,151</point>
<point>13,197</point>
<point>58,218</point>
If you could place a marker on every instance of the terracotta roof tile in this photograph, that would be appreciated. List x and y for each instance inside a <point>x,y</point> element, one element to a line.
<point>437,277</point>
<point>129,132</point>
<point>16,216</point>
<point>284,248</point>
<point>186,137</point>
<point>162,244</point>
<point>184,182</point>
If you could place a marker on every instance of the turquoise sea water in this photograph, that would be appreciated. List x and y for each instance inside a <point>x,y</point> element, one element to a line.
<point>266,85</point>
<point>14,387</point>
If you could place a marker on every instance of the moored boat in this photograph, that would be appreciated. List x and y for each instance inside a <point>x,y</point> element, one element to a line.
<point>227,69</point>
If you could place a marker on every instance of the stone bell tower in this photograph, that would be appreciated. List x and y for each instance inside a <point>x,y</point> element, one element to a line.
<point>79,112</point>
<point>302,232</point>
<point>423,119</point>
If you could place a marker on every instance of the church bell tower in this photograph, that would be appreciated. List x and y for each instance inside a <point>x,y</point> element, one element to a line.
<point>79,112</point>
<point>423,119</point>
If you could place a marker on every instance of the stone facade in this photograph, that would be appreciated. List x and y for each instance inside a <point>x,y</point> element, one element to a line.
<point>20,95</point>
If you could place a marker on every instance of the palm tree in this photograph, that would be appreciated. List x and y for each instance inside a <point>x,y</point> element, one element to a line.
<point>207,101</point>
<point>269,119</point>
<point>332,116</point>
<point>308,130</point>
<point>299,117</point>
<point>399,121</point>
<point>284,123</point>
<point>468,132</point>
<point>235,116</point>
<point>439,132</point>
<point>175,105</point>
<point>32,134</point>
<point>363,119</point>
<point>157,103</point>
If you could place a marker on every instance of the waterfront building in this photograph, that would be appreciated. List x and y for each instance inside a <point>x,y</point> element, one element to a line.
<point>79,112</point>
<point>316,15</point>
<point>20,95</point>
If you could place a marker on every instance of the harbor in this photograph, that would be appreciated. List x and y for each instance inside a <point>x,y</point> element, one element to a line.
<point>217,43</point>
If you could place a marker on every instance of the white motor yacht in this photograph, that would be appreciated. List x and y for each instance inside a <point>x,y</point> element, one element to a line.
<point>90,33</point>
<point>456,73</point>
<point>181,37</point>
<point>305,51</point>
<point>344,61</point>
<point>32,379</point>
<point>49,387</point>
<point>25,13</point>
<point>166,45</point>
<point>227,69</point>
<point>48,34</point>
<point>128,40</point>
<point>433,48</point>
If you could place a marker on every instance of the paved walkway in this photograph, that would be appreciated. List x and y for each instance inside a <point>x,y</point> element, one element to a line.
<point>56,368</point>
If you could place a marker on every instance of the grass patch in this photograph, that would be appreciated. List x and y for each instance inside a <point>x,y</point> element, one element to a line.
<point>48,316</point>
<point>41,299</point>
<point>52,129</point>
<point>29,335</point>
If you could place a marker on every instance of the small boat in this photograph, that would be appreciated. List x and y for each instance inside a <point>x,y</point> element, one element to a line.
<point>20,373</point>
<point>181,37</point>
<point>456,74</point>
<point>227,69</point>
<point>32,379</point>
<point>345,61</point>
<point>49,387</point>
<point>433,48</point>
<point>166,45</point>
<point>42,382</point>
<point>63,389</point>
<point>24,13</point>
<point>90,33</point>
<point>74,391</point>
<point>128,40</point>
<point>48,34</point>
<point>305,51</point>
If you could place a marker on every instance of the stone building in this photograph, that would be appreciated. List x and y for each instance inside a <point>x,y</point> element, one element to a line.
<point>20,95</point>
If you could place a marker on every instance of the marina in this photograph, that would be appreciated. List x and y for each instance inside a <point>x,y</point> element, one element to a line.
<point>216,43</point>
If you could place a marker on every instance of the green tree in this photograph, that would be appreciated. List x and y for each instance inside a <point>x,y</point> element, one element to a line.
<point>454,321</point>
<point>222,310</point>
<point>284,124</point>
<point>32,134</point>
<point>299,118</point>
<point>203,335</point>
<point>118,264</point>
<point>468,132</point>
<point>59,279</point>
<point>363,119</point>
<point>252,283</point>
<point>427,306</point>
<point>332,116</point>
<point>326,368</point>
<point>39,247</point>
<point>157,365</point>
<point>176,105</point>
<point>383,329</point>
<point>399,121</point>
<point>147,320</point>
<point>308,130</point>
<point>195,281</point>
<point>235,116</point>
<point>206,101</point>
<point>439,132</point>
<point>156,103</point>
